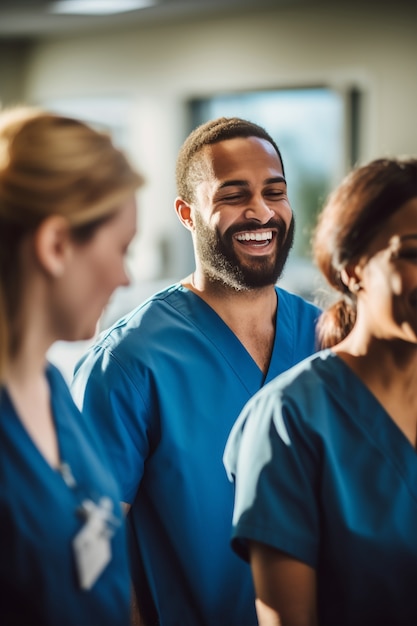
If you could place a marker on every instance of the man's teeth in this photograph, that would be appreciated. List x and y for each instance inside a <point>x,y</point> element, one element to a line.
<point>255,236</point>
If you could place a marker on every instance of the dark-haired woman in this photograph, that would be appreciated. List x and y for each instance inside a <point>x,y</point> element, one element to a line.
<point>324,457</point>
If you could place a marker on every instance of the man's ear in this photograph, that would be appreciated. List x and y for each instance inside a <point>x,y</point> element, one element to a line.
<point>184,212</point>
<point>53,244</point>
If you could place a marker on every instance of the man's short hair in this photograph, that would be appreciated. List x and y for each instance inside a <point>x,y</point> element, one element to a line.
<point>189,170</point>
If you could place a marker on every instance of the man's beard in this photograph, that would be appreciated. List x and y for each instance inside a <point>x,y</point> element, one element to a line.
<point>221,264</point>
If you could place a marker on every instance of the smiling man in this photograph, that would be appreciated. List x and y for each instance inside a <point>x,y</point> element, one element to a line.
<point>243,221</point>
<point>164,385</point>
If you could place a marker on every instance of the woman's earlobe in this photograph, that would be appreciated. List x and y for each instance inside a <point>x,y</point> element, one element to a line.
<point>355,287</point>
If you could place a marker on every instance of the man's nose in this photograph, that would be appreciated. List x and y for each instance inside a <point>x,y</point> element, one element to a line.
<point>259,210</point>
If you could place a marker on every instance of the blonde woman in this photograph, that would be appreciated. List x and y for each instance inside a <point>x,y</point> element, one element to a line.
<point>67,216</point>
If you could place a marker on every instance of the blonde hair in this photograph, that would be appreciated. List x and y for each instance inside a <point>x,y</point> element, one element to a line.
<point>51,165</point>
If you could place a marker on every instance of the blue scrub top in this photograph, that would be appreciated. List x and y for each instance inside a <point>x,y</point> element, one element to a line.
<point>39,520</point>
<point>163,387</point>
<point>324,474</point>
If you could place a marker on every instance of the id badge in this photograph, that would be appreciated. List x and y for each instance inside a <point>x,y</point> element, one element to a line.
<point>91,544</point>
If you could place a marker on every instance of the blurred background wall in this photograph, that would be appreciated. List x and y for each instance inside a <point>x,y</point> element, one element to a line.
<point>140,77</point>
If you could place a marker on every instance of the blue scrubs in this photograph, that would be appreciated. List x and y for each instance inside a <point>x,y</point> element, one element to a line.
<point>163,387</point>
<point>39,520</point>
<point>325,475</point>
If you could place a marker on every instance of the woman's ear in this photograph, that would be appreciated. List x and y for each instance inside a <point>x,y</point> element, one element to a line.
<point>351,276</point>
<point>184,213</point>
<point>53,244</point>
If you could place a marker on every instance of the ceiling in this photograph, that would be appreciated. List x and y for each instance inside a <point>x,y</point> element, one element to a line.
<point>33,19</point>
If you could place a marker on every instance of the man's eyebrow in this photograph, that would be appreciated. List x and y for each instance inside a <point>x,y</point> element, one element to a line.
<point>275,179</point>
<point>409,236</point>
<point>244,183</point>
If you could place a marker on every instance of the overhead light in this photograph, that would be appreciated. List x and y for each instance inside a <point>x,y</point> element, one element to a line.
<point>98,7</point>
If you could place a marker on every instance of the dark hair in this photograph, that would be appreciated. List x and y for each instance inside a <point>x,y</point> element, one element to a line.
<point>352,216</point>
<point>189,171</point>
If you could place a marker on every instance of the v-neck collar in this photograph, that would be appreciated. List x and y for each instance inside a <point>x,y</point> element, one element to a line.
<point>58,416</point>
<point>225,341</point>
<point>366,410</point>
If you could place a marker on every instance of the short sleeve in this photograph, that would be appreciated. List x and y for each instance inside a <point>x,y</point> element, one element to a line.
<point>273,459</point>
<point>111,401</point>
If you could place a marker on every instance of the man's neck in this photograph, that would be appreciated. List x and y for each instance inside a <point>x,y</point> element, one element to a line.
<point>250,314</point>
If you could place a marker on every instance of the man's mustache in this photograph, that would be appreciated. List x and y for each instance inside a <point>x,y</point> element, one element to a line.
<point>253,225</point>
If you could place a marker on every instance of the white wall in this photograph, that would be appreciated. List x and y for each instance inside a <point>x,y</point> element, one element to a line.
<point>157,68</point>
